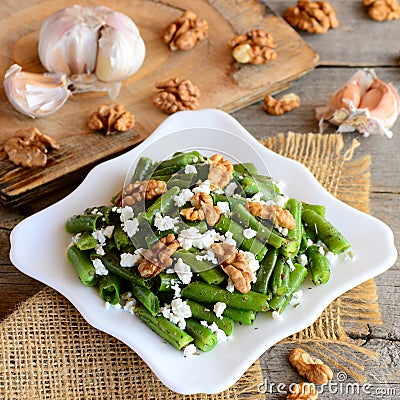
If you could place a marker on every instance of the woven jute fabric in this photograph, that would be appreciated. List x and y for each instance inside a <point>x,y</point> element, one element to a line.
<point>48,351</point>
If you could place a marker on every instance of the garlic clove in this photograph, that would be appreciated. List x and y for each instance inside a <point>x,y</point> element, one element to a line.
<point>382,101</point>
<point>121,49</point>
<point>351,91</point>
<point>35,95</point>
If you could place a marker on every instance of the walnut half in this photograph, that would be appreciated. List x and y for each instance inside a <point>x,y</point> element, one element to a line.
<point>312,17</point>
<point>176,95</point>
<point>254,47</point>
<point>286,103</point>
<point>111,119</point>
<point>29,147</point>
<point>383,10</point>
<point>139,191</point>
<point>274,213</point>
<point>313,369</point>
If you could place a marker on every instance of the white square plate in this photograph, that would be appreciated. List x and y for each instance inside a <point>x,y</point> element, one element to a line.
<point>38,246</point>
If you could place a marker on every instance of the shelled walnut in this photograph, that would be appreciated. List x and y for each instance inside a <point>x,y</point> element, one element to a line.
<point>383,10</point>
<point>158,257</point>
<point>313,369</point>
<point>203,208</point>
<point>220,173</point>
<point>312,17</point>
<point>234,265</point>
<point>111,119</point>
<point>139,191</point>
<point>176,95</point>
<point>29,147</point>
<point>303,391</point>
<point>274,213</point>
<point>286,103</point>
<point>254,47</point>
<point>186,32</point>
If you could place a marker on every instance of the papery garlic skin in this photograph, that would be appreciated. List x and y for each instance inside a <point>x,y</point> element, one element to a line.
<point>91,40</point>
<point>35,95</point>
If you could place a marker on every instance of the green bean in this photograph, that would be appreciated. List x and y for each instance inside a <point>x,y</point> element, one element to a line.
<point>265,234</point>
<point>83,222</point>
<point>164,328</point>
<point>318,208</point>
<point>252,185</point>
<point>143,170</point>
<point>318,265</point>
<point>109,288</point>
<point>244,317</point>
<point>292,246</point>
<point>325,231</point>
<point>204,293</point>
<point>209,272</point>
<point>106,212</point>
<point>245,168</point>
<point>202,313</point>
<point>166,281</point>
<point>86,241</point>
<point>112,263</point>
<point>265,272</point>
<point>146,297</point>
<point>163,204</point>
<point>261,254</point>
<point>204,339</point>
<point>83,266</point>
<point>280,277</point>
<point>225,224</point>
<point>180,161</point>
<point>121,238</point>
<point>296,278</point>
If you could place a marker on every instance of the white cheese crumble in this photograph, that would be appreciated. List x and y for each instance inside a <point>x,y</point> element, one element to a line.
<point>230,189</point>
<point>296,298</point>
<point>177,290</point>
<point>209,256</point>
<point>219,308</point>
<point>291,265</point>
<point>349,255</point>
<point>283,231</point>
<point>164,223</point>
<point>254,265</point>
<point>100,267</point>
<point>126,213</point>
<point>75,239</point>
<point>189,350</point>
<point>176,312</point>
<point>281,200</point>
<point>276,315</point>
<point>130,260</point>
<point>191,237</point>
<point>302,260</point>
<point>228,239</point>
<point>331,257</point>
<point>99,236</point>
<point>130,306</point>
<point>257,197</point>
<point>99,250</point>
<point>108,231</point>
<point>183,271</point>
<point>249,233</point>
<point>230,287</point>
<point>309,242</point>
<point>190,169</point>
<point>130,226</point>
<point>96,211</point>
<point>224,207</point>
<point>203,187</point>
<point>109,306</point>
<point>183,197</point>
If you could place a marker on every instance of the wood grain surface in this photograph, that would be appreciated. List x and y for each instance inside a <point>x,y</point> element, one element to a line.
<point>223,83</point>
<point>357,42</point>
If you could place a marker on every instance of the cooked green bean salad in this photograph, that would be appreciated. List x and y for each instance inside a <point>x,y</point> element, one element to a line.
<point>194,244</point>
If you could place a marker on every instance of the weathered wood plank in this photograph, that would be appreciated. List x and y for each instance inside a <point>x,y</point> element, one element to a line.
<point>358,40</point>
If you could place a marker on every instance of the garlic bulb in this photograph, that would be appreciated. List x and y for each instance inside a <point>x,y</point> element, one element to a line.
<point>91,40</point>
<point>35,95</point>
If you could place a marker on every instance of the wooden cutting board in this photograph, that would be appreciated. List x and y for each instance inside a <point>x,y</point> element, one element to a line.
<point>224,84</point>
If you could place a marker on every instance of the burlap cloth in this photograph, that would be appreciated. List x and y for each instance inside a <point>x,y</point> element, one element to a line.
<point>48,351</point>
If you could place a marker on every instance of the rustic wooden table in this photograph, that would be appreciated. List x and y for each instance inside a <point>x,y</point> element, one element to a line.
<point>357,42</point>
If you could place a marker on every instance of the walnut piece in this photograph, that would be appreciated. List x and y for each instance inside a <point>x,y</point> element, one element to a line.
<point>303,391</point>
<point>313,369</point>
<point>203,208</point>
<point>312,17</point>
<point>186,32</point>
<point>29,147</point>
<point>176,95</point>
<point>383,10</point>
<point>274,213</point>
<point>220,173</point>
<point>158,257</point>
<point>139,191</point>
<point>234,265</point>
<point>254,47</point>
<point>286,103</point>
<point>111,119</point>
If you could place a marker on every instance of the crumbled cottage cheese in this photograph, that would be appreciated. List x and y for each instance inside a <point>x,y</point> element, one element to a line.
<point>191,237</point>
<point>331,257</point>
<point>183,197</point>
<point>209,256</point>
<point>164,223</point>
<point>276,315</point>
<point>228,239</point>
<point>224,208</point>
<point>190,169</point>
<point>296,298</point>
<point>131,226</point>
<point>203,187</point>
<point>291,265</point>
<point>254,265</point>
<point>130,260</point>
<point>249,233</point>
<point>100,267</point>
<point>183,271</point>
<point>177,312</point>
<point>302,260</point>
<point>219,308</point>
<point>230,287</point>
<point>189,350</point>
